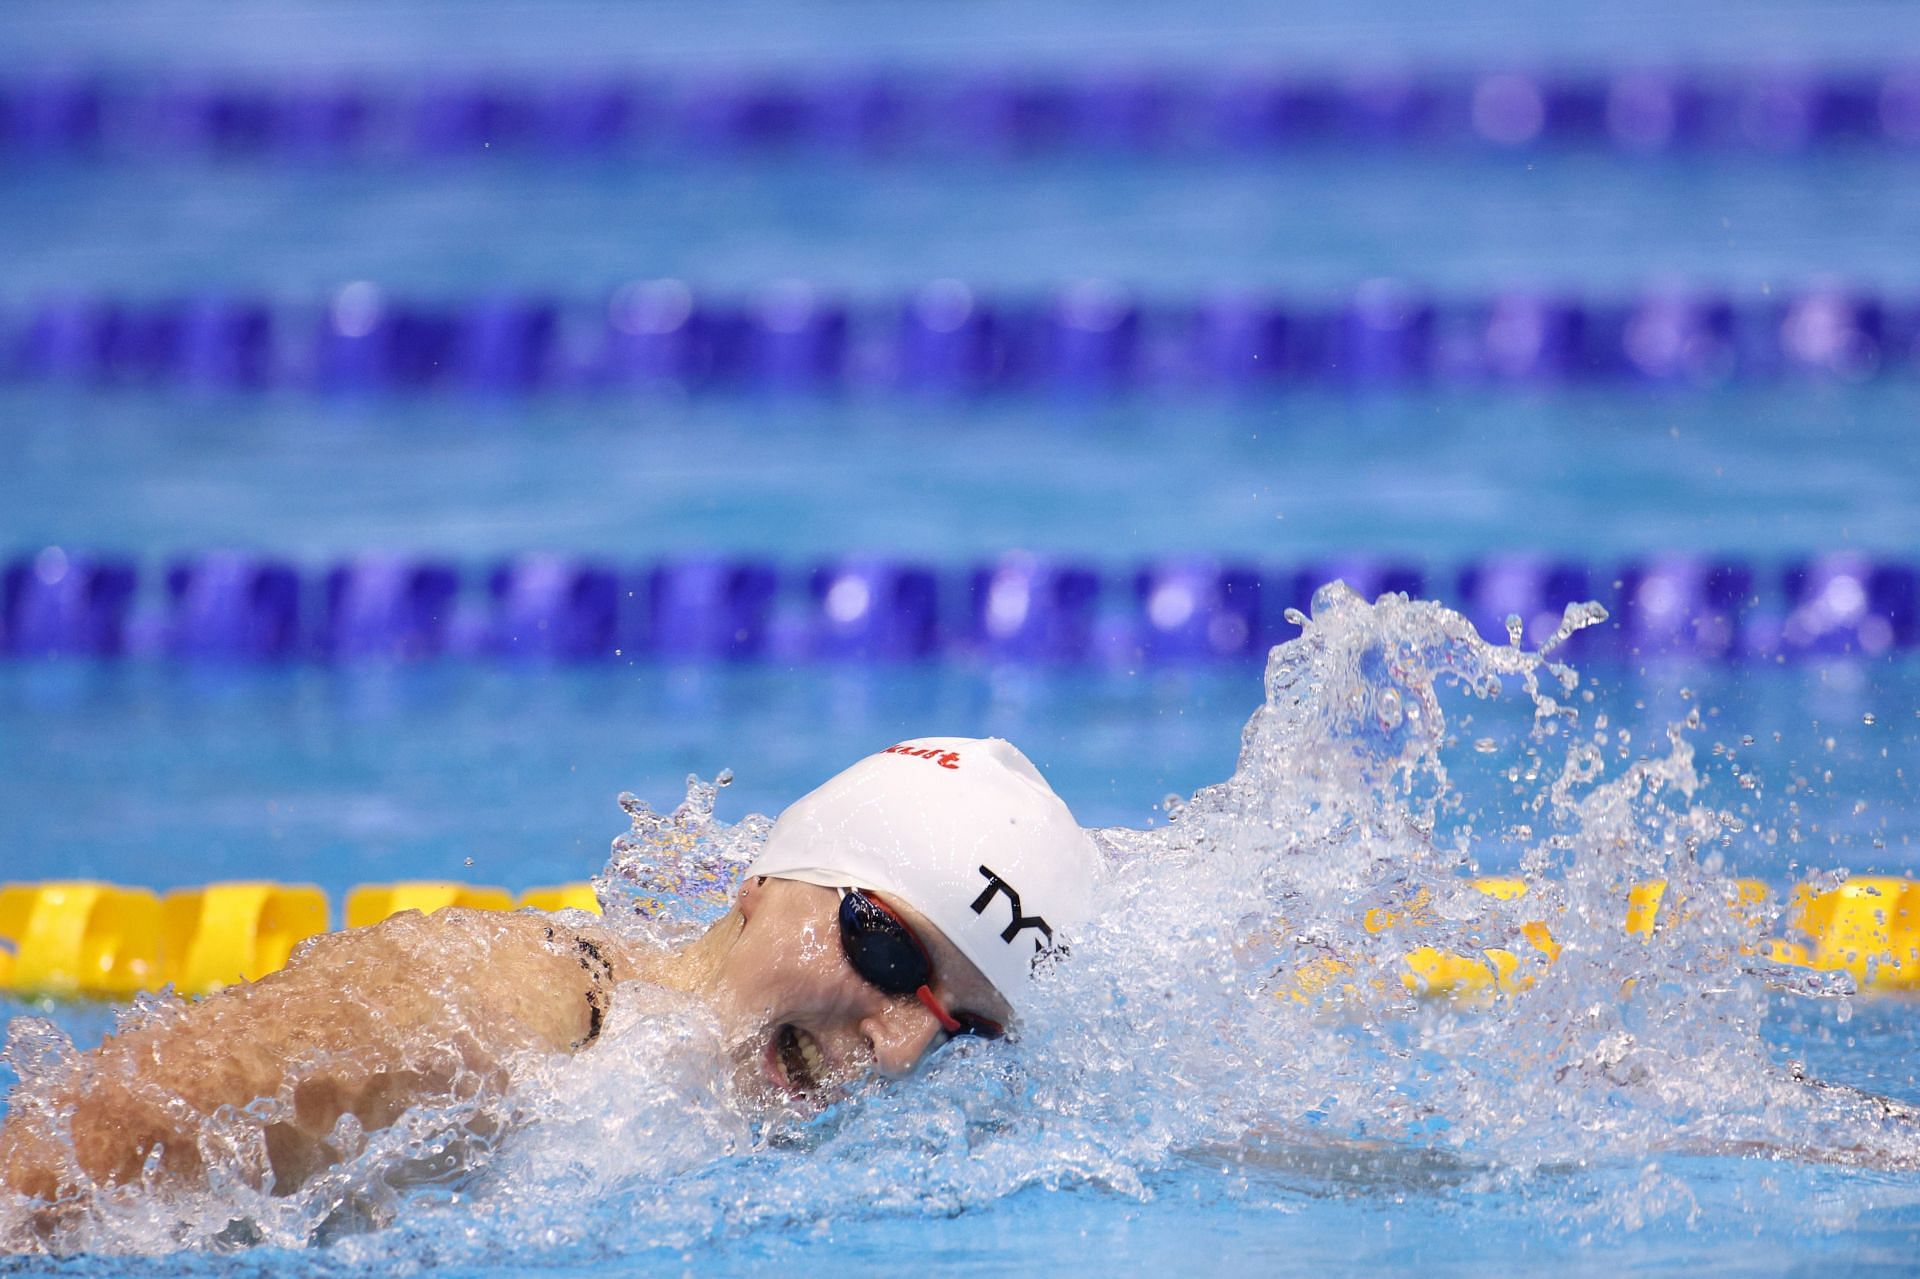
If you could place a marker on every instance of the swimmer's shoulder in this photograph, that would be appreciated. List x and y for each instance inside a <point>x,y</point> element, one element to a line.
<point>454,943</point>
<point>459,946</point>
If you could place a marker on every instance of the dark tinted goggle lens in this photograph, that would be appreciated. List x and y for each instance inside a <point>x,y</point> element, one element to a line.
<point>889,957</point>
<point>880,948</point>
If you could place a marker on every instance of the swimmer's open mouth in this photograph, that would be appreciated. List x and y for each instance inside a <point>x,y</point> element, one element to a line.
<point>800,1062</point>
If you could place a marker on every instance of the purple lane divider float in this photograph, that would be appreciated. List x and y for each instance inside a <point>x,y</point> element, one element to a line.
<point>1847,603</point>
<point>1193,609</point>
<point>1244,341</point>
<point>793,340</point>
<point>62,339</point>
<point>1020,609</point>
<point>97,341</point>
<point>1087,339</point>
<point>1670,337</point>
<point>983,113</point>
<point>56,604</point>
<point>505,344</point>
<point>702,609</point>
<point>354,344</point>
<point>1131,113</point>
<point>734,114</point>
<point>1528,338</point>
<point>227,605</point>
<point>948,341</point>
<point>1384,336</point>
<point>1833,331</point>
<point>874,609</point>
<point>225,344</point>
<point>1679,605</point>
<point>59,116</point>
<point>387,607</point>
<point>1091,339</point>
<point>656,337</point>
<point>1024,608</point>
<point>553,607</point>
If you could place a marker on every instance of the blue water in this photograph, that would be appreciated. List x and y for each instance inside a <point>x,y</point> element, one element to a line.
<point>143,773</point>
<point>373,33</point>
<point>1308,224</point>
<point>1771,473</point>
<point>296,773</point>
<point>1269,1217</point>
<point>168,775</point>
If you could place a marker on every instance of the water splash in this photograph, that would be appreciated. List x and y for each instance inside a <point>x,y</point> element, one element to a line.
<point>673,874</point>
<point>1245,1000</point>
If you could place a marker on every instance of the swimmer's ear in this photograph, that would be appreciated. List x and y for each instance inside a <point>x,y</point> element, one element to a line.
<point>747,900</point>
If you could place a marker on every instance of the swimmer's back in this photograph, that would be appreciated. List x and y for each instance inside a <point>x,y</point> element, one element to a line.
<point>365,1022</point>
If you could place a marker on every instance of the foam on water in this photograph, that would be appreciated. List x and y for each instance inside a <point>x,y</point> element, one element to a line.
<point>1240,1003</point>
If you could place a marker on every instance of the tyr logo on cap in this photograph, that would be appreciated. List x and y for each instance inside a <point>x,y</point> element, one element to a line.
<point>946,759</point>
<point>1019,923</point>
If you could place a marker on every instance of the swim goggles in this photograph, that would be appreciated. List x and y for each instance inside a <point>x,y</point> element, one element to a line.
<point>886,954</point>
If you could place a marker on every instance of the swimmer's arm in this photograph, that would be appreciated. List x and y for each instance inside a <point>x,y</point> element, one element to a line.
<point>1883,1131</point>
<point>366,1022</point>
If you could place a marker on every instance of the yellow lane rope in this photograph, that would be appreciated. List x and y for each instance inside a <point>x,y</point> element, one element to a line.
<point>78,937</point>
<point>68,938</point>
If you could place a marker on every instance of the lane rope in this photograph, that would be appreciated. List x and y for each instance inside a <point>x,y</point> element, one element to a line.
<point>83,938</point>
<point>880,115</point>
<point>946,339</point>
<point>1021,608</point>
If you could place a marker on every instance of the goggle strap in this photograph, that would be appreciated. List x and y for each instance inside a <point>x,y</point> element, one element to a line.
<point>946,1019</point>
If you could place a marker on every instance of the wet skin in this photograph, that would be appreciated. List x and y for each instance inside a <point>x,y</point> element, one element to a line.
<point>800,1016</point>
<point>433,1009</point>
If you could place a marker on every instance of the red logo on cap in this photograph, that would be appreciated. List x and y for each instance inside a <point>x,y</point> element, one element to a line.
<point>946,759</point>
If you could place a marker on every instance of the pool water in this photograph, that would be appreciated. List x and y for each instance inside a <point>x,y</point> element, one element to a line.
<point>274,772</point>
<point>1286,1213</point>
<point>1143,1122</point>
<point>147,773</point>
<point>1290,222</point>
<point>1596,473</point>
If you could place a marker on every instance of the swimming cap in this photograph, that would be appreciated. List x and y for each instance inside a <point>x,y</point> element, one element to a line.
<point>962,829</point>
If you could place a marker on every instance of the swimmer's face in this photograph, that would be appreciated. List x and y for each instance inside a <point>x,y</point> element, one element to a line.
<point>804,1021</point>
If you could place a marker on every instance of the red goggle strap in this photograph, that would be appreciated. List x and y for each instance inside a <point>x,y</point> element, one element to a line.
<point>934,1006</point>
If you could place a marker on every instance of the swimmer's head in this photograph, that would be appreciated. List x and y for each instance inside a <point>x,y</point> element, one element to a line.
<point>964,831</point>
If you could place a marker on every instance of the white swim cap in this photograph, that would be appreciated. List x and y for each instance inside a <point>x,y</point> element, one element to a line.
<point>962,829</point>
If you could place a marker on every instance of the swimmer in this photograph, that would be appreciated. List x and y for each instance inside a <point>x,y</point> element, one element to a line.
<point>906,901</point>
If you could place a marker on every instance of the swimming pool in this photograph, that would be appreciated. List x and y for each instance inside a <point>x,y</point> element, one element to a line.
<point>1303,1137</point>
<point>293,773</point>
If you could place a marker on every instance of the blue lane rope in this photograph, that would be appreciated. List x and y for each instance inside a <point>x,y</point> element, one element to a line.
<point>944,338</point>
<point>234,607</point>
<point>883,114</point>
